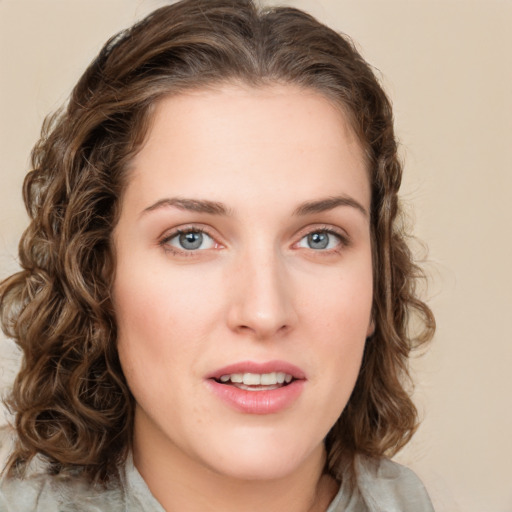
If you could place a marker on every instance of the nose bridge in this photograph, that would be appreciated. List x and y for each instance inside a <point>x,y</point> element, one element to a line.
<point>261,303</point>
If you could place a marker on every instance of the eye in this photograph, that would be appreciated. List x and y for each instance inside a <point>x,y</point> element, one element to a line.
<point>190,240</point>
<point>320,240</point>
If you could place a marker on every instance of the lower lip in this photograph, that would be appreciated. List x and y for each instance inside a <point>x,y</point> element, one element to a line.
<point>258,402</point>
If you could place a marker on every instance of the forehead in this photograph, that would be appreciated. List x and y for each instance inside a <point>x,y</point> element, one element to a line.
<point>276,105</point>
<point>246,137</point>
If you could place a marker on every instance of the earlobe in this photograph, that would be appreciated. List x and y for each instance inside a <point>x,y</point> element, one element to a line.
<point>371,328</point>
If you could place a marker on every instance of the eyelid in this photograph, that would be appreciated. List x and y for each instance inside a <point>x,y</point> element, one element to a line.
<point>168,235</point>
<point>341,234</point>
<point>163,240</point>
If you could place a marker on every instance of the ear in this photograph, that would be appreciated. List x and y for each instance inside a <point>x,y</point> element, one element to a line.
<point>371,328</point>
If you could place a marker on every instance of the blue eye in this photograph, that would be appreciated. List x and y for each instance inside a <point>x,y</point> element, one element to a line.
<point>320,240</point>
<point>191,240</point>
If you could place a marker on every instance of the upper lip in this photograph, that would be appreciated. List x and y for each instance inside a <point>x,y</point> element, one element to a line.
<point>257,367</point>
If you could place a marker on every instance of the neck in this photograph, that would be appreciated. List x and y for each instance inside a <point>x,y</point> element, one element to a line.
<point>180,483</point>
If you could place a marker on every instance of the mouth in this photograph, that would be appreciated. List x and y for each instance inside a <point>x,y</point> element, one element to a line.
<point>258,388</point>
<point>256,381</point>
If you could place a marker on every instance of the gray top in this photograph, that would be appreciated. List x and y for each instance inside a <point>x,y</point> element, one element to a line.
<point>382,486</point>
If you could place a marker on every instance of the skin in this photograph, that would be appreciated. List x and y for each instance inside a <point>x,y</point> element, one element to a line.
<point>255,290</point>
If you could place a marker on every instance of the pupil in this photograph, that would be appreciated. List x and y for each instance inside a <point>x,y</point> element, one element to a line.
<point>318,240</point>
<point>191,240</point>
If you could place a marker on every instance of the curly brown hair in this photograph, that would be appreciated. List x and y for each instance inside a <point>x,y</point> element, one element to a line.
<point>70,400</point>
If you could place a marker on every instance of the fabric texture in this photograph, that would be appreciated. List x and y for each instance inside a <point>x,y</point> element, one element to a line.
<point>381,486</point>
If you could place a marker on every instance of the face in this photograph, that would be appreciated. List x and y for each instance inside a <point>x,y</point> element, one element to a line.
<point>243,288</point>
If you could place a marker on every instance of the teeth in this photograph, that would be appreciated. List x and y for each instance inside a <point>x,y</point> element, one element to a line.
<point>267,379</point>
<point>257,379</point>
<point>252,379</point>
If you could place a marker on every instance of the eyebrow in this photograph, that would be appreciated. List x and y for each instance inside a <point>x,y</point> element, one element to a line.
<point>216,208</point>
<point>194,205</point>
<point>329,203</point>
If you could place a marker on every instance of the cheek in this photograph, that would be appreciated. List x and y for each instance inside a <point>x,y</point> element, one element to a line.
<point>147,343</point>
<point>161,318</point>
<point>143,319</point>
<point>339,320</point>
<point>154,300</point>
<point>342,302</point>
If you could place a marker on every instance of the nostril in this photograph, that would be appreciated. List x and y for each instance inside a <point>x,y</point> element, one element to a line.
<point>263,331</point>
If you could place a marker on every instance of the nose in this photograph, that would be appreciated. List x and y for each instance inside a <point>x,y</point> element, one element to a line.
<point>261,297</point>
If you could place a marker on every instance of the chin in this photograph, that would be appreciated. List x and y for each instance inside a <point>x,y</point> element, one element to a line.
<point>272,457</point>
<point>259,468</point>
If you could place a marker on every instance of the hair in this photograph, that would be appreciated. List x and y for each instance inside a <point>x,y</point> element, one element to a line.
<point>70,401</point>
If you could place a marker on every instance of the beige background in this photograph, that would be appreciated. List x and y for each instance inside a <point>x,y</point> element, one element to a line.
<point>448,68</point>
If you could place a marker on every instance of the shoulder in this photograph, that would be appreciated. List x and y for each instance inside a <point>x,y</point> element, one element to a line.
<point>387,486</point>
<point>6,444</point>
<point>40,492</point>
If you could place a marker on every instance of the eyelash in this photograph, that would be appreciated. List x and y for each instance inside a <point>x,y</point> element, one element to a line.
<point>164,242</point>
<point>343,239</point>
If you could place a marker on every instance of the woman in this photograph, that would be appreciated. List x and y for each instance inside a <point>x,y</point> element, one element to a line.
<point>215,291</point>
